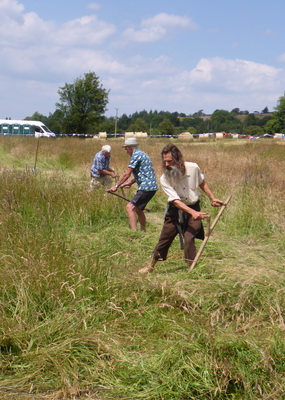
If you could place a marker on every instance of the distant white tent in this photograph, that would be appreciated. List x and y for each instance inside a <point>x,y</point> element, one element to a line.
<point>278,136</point>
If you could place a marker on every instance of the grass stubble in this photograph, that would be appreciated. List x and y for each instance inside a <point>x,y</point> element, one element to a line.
<point>77,320</point>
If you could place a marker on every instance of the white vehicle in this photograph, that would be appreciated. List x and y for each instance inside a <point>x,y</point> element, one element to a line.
<point>24,128</point>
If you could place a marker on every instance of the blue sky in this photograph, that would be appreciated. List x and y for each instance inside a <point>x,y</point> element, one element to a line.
<point>165,55</point>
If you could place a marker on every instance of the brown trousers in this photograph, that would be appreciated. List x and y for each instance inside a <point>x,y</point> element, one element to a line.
<point>169,231</point>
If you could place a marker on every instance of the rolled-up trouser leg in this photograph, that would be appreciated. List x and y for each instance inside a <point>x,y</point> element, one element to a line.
<point>94,183</point>
<point>167,235</point>
<point>104,180</point>
<point>192,229</point>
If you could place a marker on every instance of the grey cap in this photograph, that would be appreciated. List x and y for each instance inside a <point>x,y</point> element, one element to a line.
<point>130,142</point>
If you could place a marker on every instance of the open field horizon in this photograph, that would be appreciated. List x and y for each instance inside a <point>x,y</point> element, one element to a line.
<point>79,322</point>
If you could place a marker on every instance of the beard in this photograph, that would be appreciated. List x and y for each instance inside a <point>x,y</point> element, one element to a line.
<point>173,174</point>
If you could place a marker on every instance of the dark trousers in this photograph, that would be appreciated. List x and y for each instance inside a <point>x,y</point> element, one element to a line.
<point>169,231</point>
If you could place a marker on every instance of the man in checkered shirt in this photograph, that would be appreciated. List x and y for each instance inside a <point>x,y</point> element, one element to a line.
<point>101,173</point>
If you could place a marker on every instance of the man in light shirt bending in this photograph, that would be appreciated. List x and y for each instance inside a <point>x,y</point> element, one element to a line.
<point>180,182</point>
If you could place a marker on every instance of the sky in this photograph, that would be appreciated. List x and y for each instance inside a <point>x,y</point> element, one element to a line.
<point>166,55</point>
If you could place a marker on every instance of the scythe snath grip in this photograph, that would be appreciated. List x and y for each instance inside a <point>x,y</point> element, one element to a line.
<point>209,231</point>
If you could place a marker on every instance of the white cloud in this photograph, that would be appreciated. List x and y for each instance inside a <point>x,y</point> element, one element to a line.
<point>72,61</point>
<point>10,9</point>
<point>169,20</point>
<point>157,27</point>
<point>212,84</point>
<point>36,49</point>
<point>59,63</point>
<point>151,34</point>
<point>40,56</point>
<point>234,75</point>
<point>230,83</point>
<point>269,32</point>
<point>94,6</point>
<point>282,57</point>
<point>158,66</point>
<point>18,28</point>
<point>85,31</point>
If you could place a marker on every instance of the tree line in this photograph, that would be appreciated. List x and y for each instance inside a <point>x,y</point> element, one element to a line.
<point>82,106</point>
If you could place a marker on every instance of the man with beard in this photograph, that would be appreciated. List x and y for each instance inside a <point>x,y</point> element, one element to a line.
<point>180,182</point>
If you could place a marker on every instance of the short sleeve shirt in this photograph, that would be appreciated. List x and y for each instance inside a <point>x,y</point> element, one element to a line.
<point>143,171</point>
<point>100,162</point>
<point>186,188</point>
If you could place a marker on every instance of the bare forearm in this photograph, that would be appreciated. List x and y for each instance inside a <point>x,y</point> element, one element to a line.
<point>132,182</point>
<point>214,201</point>
<point>195,214</point>
<point>181,206</point>
<point>206,189</point>
<point>125,177</point>
<point>107,172</point>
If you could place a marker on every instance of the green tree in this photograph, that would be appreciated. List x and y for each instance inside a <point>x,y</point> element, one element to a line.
<point>54,122</point>
<point>82,103</point>
<point>253,130</point>
<point>222,120</point>
<point>263,121</point>
<point>156,119</point>
<point>251,120</point>
<point>265,110</point>
<point>198,113</point>
<point>106,125</point>
<point>272,126</point>
<point>166,127</point>
<point>138,126</point>
<point>37,117</point>
<point>174,118</point>
<point>192,130</point>
<point>124,122</point>
<point>278,116</point>
<point>200,124</point>
<point>185,122</point>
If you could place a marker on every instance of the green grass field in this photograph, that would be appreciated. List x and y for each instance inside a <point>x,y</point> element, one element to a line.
<point>77,321</point>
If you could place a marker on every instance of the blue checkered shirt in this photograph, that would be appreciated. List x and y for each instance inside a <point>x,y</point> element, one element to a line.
<point>100,162</point>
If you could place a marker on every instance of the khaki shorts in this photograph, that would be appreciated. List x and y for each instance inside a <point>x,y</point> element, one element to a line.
<point>104,180</point>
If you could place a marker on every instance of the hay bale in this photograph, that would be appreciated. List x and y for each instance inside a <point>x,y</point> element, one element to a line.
<point>102,135</point>
<point>219,135</point>
<point>141,135</point>
<point>185,136</point>
<point>203,136</point>
<point>129,135</point>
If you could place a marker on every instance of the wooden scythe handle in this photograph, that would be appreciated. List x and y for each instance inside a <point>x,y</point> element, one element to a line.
<point>209,231</point>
